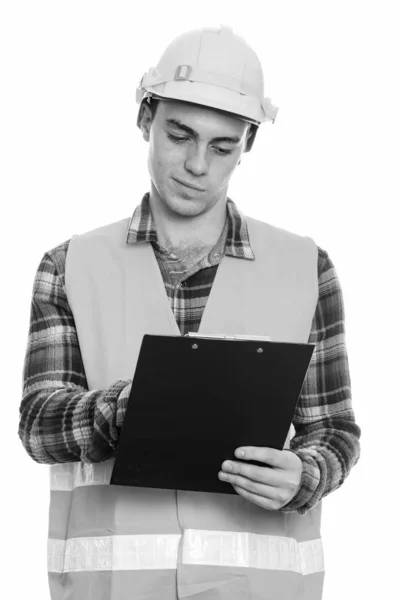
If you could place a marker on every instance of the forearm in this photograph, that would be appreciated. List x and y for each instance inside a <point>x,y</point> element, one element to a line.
<point>65,425</point>
<point>328,452</point>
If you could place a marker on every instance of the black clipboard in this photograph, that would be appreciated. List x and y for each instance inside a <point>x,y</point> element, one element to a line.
<point>195,400</point>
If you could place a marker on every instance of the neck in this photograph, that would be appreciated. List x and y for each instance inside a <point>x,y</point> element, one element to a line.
<point>178,230</point>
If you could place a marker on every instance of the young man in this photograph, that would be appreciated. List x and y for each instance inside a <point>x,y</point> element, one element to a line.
<point>94,298</point>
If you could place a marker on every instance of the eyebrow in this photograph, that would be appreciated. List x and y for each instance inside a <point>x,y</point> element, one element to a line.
<point>227,139</point>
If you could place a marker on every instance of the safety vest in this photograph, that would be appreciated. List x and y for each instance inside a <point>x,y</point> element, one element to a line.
<point>118,543</point>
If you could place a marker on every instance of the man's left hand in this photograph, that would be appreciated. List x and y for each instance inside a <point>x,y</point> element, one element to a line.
<point>270,487</point>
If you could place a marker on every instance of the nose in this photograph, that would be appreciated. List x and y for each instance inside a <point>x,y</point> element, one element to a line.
<point>196,161</point>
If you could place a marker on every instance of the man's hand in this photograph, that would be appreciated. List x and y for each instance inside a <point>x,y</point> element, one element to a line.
<point>271,486</point>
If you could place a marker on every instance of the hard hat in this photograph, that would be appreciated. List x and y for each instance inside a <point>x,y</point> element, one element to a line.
<point>212,67</point>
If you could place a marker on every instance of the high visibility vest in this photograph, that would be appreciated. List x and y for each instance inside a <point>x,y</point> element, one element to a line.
<point>118,543</point>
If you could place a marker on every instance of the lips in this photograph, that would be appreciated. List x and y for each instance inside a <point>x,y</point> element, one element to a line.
<point>190,185</point>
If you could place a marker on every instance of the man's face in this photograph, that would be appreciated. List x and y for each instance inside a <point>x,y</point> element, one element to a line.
<point>192,145</point>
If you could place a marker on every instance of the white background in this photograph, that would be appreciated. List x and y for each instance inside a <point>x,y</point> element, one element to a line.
<point>72,159</point>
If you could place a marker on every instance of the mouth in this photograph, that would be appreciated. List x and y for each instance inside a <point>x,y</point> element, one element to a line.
<point>189,185</point>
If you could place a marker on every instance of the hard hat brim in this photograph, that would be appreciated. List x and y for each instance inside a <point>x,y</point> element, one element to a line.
<point>230,102</point>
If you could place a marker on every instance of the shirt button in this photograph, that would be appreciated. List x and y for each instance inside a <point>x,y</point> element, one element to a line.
<point>182,284</point>
<point>217,255</point>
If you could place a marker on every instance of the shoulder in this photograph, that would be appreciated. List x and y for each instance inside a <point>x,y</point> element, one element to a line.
<point>117,228</point>
<point>51,269</point>
<point>284,236</point>
<point>326,268</point>
<point>282,242</point>
<point>54,260</point>
<point>55,257</point>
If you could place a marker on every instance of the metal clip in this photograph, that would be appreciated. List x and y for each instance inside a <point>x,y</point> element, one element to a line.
<point>182,72</point>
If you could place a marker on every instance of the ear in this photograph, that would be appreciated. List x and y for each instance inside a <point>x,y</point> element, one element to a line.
<point>145,118</point>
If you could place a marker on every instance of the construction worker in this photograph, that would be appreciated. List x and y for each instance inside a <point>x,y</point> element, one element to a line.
<point>187,260</point>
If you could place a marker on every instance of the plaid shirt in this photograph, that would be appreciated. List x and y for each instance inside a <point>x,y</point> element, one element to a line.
<point>61,421</point>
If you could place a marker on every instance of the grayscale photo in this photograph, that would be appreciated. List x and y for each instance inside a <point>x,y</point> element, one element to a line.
<point>201,213</point>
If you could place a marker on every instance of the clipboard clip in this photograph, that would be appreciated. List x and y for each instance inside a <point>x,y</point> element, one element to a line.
<point>222,336</point>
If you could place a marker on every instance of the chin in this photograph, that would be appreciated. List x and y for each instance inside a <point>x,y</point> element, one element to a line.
<point>184,206</point>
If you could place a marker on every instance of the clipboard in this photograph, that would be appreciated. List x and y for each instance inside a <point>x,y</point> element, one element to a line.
<point>195,399</point>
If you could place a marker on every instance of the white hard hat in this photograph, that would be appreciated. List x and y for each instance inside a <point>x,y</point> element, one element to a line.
<point>212,67</point>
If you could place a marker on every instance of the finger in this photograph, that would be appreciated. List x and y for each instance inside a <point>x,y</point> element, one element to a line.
<point>260,489</point>
<point>265,503</point>
<point>263,475</point>
<point>269,456</point>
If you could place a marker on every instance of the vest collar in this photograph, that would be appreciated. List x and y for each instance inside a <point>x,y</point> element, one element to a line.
<point>142,228</point>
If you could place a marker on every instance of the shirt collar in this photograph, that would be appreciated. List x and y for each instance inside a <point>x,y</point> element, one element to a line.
<point>142,228</point>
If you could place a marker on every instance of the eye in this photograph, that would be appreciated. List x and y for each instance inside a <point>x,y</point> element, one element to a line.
<point>176,138</point>
<point>180,139</point>
<point>223,152</point>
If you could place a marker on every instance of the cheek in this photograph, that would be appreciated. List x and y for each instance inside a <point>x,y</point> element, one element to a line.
<point>225,167</point>
<point>162,159</point>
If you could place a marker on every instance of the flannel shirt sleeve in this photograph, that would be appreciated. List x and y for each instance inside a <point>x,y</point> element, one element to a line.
<point>327,437</point>
<point>60,419</point>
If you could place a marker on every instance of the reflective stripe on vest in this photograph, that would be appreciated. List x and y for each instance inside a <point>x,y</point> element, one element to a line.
<point>113,553</point>
<point>212,548</point>
<point>68,476</point>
